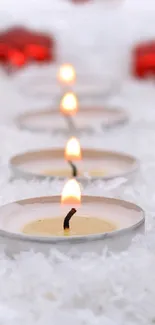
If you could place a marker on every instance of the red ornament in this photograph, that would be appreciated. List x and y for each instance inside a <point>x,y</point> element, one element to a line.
<point>3,52</point>
<point>144,60</point>
<point>37,52</point>
<point>19,46</point>
<point>16,58</point>
<point>43,39</point>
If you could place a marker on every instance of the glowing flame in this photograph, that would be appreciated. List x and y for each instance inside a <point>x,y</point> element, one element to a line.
<point>66,74</point>
<point>69,104</point>
<point>73,150</point>
<point>71,193</point>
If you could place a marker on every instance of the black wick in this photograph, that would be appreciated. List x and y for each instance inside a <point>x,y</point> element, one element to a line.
<point>68,217</point>
<point>74,169</point>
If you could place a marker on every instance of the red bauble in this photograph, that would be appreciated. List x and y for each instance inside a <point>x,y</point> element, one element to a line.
<point>3,52</point>
<point>16,58</point>
<point>16,37</point>
<point>37,52</point>
<point>144,60</point>
<point>19,46</point>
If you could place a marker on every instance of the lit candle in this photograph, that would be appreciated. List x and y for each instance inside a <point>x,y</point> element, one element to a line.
<point>73,222</point>
<point>42,223</point>
<point>66,74</point>
<point>73,157</point>
<point>71,194</point>
<point>69,107</point>
<point>69,104</point>
<point>89,119</point>
<point>94,163</point>
<point>73,153</point>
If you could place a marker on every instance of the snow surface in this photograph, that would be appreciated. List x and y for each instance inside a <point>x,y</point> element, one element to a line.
<point>89,289</point>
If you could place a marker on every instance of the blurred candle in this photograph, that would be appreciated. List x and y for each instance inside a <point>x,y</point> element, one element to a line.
<point>69,104</point>
<point>73,150</point>
<point>66,74</point>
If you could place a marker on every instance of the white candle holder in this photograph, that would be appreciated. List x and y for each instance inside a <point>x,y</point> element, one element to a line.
<point>42,84</point>
<point>96,164</point>
<point>128,218</point>
<point>87,120</point>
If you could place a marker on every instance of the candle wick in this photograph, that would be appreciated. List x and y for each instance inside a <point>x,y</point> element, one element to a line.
<point>68,217</point>
<point>74,169</point>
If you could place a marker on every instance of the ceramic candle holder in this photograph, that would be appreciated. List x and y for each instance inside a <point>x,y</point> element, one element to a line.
<point>127,220</point>
<point>86,120</point>
<point>95,164</point>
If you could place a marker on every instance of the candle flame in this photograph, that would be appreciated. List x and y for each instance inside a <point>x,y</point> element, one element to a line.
<point>69,104</point>
<point>73,150</point>
<point>66,74</point>
<point>71,193</point>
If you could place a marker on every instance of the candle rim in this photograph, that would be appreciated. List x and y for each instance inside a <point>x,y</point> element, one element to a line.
<point>76,238</point>
<point>16,161</point>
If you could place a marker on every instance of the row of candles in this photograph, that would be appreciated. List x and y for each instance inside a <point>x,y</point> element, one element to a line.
<point>88,218</point>
<point>71,193</point>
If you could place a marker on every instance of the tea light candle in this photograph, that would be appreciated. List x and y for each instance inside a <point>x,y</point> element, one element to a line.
<point>90,163</point>
<point>40,223</point>
<point>73,223</point>
<point>84,225</point>
<point>73,157</point>
<point>89,119</point>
